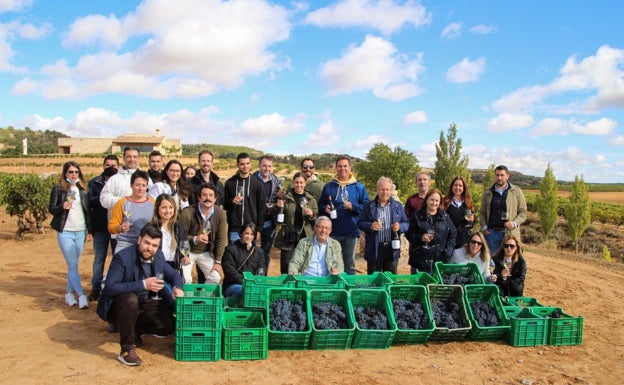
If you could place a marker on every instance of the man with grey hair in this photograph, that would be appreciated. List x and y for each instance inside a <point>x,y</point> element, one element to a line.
<point>318,255</point>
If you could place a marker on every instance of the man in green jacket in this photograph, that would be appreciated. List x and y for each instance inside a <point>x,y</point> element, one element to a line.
<point>318,255</point>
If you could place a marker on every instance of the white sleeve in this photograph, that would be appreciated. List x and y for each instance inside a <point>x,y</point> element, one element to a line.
<point>107,198</point>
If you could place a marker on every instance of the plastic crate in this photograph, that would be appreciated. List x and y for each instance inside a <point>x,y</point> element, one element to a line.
<point>420,278</point>
<point>454,293</point>
<point>245,336</point>
<point>526,328</point>
<point>198,345</point>
<point>367,338</point>
<point>329,282</point>
<point>522,302</point>
<point>565,330</point>
<point>411,293</point>
<point>255,288</point>
<point>488,294</point>
<point>377,280</point>
<point>200,308</point>
<point>332,338</point>
<point>296,340</point>
<point>469,270</point>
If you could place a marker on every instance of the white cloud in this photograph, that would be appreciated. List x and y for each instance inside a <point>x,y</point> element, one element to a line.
<point>415,117</point>
<point>482,29</point>
<point>368,142</point>
<point>14,5</point>
<point>382,15</point>
<point>466,71</point>
<point>556,126</point>
<point>374,65</point>
<point>452,31</point>
<point>14,31</point>
<point>159,51</point>
<point>507,122</point>
<point>618,141</point>
<point>269,125</point>
<point>326,137</point>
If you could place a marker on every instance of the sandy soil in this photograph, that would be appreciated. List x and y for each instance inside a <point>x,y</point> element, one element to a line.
<point>46,342</point>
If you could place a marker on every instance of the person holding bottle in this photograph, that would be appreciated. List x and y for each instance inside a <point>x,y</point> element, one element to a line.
<point>460,207</point>
<point>69,204</point>
<point>381,219</point>
<point>242,255</point>
<point>300,210</point>
<point>510,267</point>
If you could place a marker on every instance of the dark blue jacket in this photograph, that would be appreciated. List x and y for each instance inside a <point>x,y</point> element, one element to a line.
<point>440,248</point>
<point>369,215</point>
<point>346,225</point>
<point>99,215</point>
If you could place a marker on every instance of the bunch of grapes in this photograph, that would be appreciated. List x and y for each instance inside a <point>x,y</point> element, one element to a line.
<point>484,313</point>
<point>288,316</point>
<point>327,315</point>
<point>409,314</point>
<point>447,314</point>
<point>369,317</point>
<point>457,279</point>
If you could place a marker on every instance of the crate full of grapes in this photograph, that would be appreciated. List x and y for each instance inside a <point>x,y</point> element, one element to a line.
<point>288,316</point>
<point>563,329</point>
<point>448,307</point>
<point>412,314</point>
<point>486,313</point>
<point>332,319</point>
<point>452,274</point>
<point>377,280</point>
<point>375,326</point>
<point>526,328</point>
<point>327,282</point>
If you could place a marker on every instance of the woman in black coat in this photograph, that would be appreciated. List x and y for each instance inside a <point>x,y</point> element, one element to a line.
<point>242,255</point>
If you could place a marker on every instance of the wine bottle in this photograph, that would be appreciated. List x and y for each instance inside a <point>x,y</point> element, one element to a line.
<point>280,214</point>
<point>396,240</point>
<point>332,213</point>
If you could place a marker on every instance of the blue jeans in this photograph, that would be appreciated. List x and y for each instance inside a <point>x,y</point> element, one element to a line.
<point>494,239</point>
<point>348,252</point>
<point>234,290</point>
<point>266,243</point>
<point>71,244</point>
<point>101,240</point>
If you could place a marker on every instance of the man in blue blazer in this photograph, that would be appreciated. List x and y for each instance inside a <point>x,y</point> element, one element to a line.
<point>130,297</point>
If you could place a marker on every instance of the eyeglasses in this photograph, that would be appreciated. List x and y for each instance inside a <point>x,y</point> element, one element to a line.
<point>73,172</point>
<point>476,242</point>
<point>175,171</point>
<point>307,167</point>
<point>509,246</point>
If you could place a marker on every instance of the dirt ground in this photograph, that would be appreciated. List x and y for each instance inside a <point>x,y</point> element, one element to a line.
<point>45,342</point>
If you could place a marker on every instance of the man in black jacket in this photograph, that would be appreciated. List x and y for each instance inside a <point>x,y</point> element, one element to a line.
<point>205,175</point>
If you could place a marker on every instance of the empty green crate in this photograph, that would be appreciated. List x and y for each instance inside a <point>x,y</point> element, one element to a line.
<point>522,302</point>
<point>488,294</point>
<point>565,330</point>
<point>255,287</point>
<point>370,338</point>
<point>331,338</point>
<point>288,340</point>
<point>327,282</point>
<point>469,270</point>
<point>198,345</point>
<point>245,336</point>
<point>200,308</point>
<point>420,278</point>
<point>526,328</point>
<point>377,280</point>
<point>453,293</point>
<point>411,293</point>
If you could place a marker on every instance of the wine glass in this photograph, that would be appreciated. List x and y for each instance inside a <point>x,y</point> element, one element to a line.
<point>160,277</point>
<point>127,213</point>
<point>185,248</point>
<point>491,268</point>
<point>240,193</point>
<point>71,196</point>
<point>380,216</point>
<point>207,229</point>
<point>345,195</point>
<point>504,216</point>
<point>430,233</point>
<point>467,215</point>
<point>303,202</point>
<point>507,265</point>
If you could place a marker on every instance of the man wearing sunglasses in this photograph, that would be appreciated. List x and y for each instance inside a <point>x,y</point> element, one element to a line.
<point>314,185</point>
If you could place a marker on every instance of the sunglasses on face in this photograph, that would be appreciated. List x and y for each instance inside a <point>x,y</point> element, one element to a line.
<point>308,167</point>
<point>509,246</point>
<point>72,172</point>
<point>475,242</point>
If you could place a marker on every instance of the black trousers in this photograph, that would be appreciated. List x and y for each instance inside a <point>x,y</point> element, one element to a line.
<point>134,318</point>
<point>285,257</point>
<point>385,261</point>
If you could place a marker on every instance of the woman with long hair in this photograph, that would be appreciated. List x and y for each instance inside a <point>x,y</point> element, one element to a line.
<point>475,251</point>
<point>174,233</point>
<point>510,267</point>
<point>69,205</point>
<point>460,207</point>
<point>172,183</point>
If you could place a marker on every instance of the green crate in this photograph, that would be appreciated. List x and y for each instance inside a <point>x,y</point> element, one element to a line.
<point>367,338</point>
<point>198,345</point>
<point>454,293</point>
<point>377,280</point>
<point>255,287</point>
<point>490,295</point>
<point>329,282</point>
<point>526,328</point>
<point>200,308</point>
<point>469,270</point>
<point>279,340</point>
<point>332,338</point>
<point>565,330</point>
<point>420,278</point>
<point>522,302</point>
<point>411,293</point>
<point>245,336</point>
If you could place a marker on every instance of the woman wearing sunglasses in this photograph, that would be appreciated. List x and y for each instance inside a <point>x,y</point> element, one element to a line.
<point>510,267</point>
<point>475,251</point>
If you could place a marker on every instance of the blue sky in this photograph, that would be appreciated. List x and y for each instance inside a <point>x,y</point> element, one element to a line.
<point>527,83</point>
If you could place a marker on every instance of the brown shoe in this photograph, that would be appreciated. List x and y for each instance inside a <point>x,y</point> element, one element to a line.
<point>129,357</point>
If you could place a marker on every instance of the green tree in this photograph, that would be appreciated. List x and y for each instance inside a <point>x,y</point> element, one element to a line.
<point>488,178</point>
<point>547,203</point>
<point>578,211</point>
<point>450,162</point>
<point>398,164</point>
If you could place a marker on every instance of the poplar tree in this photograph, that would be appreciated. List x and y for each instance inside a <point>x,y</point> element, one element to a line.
<point>450,162</point>
<point>547,202</point>
<point>577,214</point>
<point>488,177</point>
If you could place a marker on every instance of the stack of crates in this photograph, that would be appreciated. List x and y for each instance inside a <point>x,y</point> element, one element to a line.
<point>255,288</point>
<point>527,329</point>
<point>199,323</point>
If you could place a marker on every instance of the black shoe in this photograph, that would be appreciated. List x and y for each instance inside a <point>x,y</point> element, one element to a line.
<point>138,341</point>
<point>94,296</point>
<point>112,328</point>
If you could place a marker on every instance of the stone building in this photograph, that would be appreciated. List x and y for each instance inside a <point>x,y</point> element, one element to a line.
<point>145,143</point>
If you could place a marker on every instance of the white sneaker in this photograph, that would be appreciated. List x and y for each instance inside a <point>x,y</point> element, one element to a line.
<point>70,299</point>
<point>83,302</point>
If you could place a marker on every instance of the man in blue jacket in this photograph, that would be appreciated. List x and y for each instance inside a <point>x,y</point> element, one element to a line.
<point>129,299</point>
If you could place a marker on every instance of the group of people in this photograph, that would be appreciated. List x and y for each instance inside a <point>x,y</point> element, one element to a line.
<point>160,223</point>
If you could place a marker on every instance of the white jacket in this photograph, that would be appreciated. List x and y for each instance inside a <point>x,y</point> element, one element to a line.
<point>117,187</point>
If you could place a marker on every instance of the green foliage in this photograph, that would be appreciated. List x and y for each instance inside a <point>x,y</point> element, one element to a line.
<point>577,213</point>
<point>39,142</point>
<point>488,178</point>
<point>547,202</point>
<point>450,162</point>
<point>606,254</point>
<point>27,198</point>
<point>398,164</point>
<point>220,150</point>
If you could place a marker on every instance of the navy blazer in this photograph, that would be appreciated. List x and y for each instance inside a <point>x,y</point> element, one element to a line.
<point>124,275</point>
<point>369,215</point>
